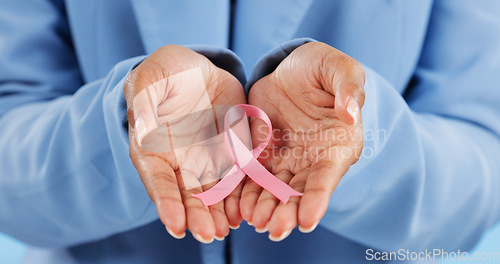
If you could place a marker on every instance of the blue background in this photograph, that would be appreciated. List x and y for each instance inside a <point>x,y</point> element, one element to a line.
<point>12,252</point>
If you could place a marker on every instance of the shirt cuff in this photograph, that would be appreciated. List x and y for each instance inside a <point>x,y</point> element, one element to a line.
<point>270,61</point>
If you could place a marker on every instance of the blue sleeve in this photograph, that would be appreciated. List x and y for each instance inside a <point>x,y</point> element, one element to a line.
<point>66,177</point>
<point>429,173</point>
<point>432,176</point>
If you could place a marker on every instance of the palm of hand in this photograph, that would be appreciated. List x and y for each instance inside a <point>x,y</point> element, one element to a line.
<point>311,148</point>
<point>304,133</point>
<point>184,92</point>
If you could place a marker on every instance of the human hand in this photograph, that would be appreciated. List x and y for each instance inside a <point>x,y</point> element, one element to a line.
<point>313,99</point>
<point>176,93</point>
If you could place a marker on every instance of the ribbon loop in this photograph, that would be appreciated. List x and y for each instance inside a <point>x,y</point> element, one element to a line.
<point>246,162</point>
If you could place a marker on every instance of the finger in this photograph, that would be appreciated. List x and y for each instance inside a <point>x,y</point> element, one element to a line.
<point>232,202</point>
<point>165,193</point>
<point>343,77</point>
<point>348,87</point>
<point>347,104</point>
<point>142,112</point>
<point>161,184</point>
<point>322,180</point>
<point>232,207</point>
<point>266,205</point>
<point>251,191</point>
<point>219,217</point>
<point>263,211</point>
<point>285,216</point>
<point>284,220</point>
<point>220,220</point>
<point>199,217</point>
<point>249,197</point>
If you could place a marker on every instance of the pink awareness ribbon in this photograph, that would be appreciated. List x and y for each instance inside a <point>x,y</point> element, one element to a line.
<point>246,161</point>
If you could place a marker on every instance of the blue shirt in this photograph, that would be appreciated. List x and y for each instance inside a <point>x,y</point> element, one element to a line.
<point>428,177</point>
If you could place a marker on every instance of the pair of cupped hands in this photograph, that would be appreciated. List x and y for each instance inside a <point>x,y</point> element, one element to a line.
<point>313,99</point>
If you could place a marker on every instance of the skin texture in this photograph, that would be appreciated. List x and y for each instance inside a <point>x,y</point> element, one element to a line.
<point>315,139</point>
<point>169,76</point>
<point>313,99</point>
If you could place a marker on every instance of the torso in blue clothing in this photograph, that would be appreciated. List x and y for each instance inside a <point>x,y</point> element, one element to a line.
<point>150,244</point>
<point>429,181</point>
<point>385,35</point>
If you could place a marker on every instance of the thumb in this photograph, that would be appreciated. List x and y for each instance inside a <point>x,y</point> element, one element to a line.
<point>144,117</point>
<point>345,80</point>
<point>348,102</point>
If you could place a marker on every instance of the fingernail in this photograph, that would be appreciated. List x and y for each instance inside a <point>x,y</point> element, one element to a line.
<point>219,238</point>
<point>308,230</point>
<point>140,129</point>
<point>249,223</point>
<point>280,238</point>
<point>234,227</point>
<point>202,240</point>
<point>261,230</point>
<point>353,109</point>
<point>181,236</point>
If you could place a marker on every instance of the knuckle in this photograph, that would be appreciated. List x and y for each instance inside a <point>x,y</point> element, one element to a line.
<point>325,163</point>
<point>254,192</point>
<point>215,209</point>
<point>271,200</point>
<point>298,186</point>
<point>318,191</point>
<point>164,199</point>
<point>162,179</point>
<point>351,65</point>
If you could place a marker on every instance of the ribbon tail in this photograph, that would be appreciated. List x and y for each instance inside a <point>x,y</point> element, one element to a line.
<point>268,181</point>
<point>223,188</point>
